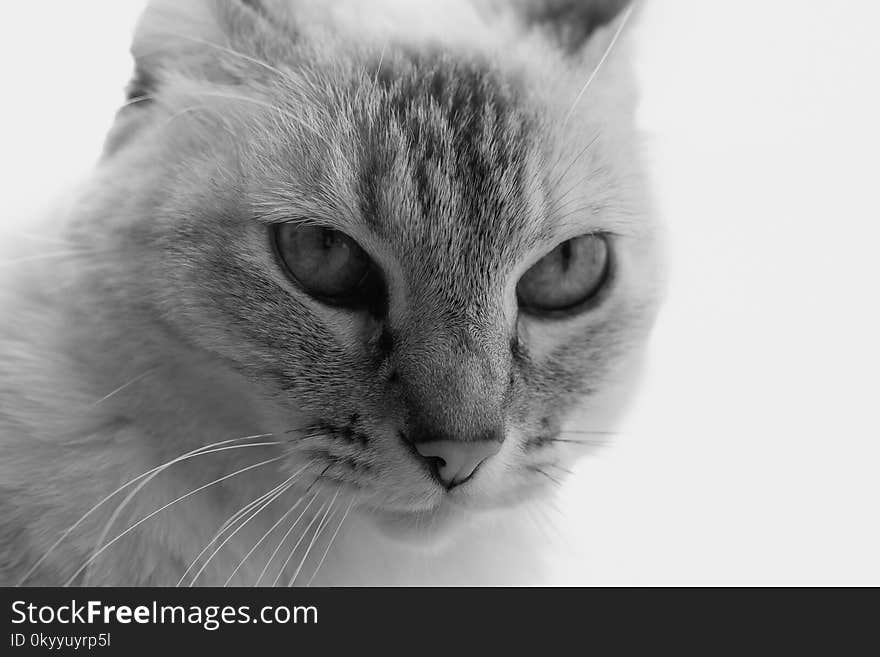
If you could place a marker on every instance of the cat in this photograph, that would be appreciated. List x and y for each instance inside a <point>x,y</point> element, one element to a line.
<point>330,305</point>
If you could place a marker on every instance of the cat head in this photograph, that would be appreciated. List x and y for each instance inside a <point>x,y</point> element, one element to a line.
<point>422,244</point>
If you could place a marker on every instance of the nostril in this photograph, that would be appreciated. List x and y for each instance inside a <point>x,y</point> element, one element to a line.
<point>435,464</point>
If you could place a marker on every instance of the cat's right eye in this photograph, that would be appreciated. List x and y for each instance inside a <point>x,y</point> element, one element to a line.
<point>326,263</point>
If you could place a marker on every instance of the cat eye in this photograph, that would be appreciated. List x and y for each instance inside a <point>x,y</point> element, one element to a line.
<point>326,263</point>
<point>566,278</point>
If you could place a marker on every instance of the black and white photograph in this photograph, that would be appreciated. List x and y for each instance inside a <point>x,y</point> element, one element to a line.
<point>438,293</point>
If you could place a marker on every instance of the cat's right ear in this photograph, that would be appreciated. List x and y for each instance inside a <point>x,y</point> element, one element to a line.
<point>165,41</point>
<point>203,40</point>
<point>196,41</point>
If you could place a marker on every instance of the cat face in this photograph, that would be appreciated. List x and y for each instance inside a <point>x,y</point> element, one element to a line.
<point>421,258</point>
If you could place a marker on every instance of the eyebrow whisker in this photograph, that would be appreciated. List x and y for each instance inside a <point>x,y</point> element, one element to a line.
<point>617,33</point>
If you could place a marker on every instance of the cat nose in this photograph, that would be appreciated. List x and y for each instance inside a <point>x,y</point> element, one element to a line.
<point>455,461</point>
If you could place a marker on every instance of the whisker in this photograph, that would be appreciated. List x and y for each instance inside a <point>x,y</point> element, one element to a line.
<point>226,525</point>
<point>242,511</point>
<point>318,478</point>
<point>119,509</point>
<point>231,520</point>
<point>234,518</point>
<point>284,539</point>
<point>260,541</point>
<point>275,108</point>
<point>559,467</point>
<point>597,443</point>
<point>268,532</point>
<point>49,256</point>
<point>192,454</point>
<point>162,508</point>
<point>617,33</point>
<point>562,209</point>
<point>124,386</point>
<point>274,494</point>
<point>230,51</point>
<point>568,168</point>
<point>301,538</point>
<point>324,522</point>
<point>330,543</point>
<point>556,481</point>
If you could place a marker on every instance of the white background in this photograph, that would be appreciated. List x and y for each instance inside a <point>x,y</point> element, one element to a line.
<point>752,455</point>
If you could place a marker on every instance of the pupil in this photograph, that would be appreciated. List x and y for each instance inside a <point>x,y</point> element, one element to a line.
<point>566,255</point>
<point>329,239</point>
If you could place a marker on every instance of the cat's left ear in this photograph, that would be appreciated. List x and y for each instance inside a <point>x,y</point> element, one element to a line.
<point>568,24</point>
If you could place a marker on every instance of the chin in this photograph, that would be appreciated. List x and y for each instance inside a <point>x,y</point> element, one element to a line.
<point>427,530</point>
<point>435,529</point>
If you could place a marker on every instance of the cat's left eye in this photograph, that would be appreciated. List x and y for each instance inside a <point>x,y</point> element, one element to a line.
<point>326,263</point>
<point>566,278</point>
